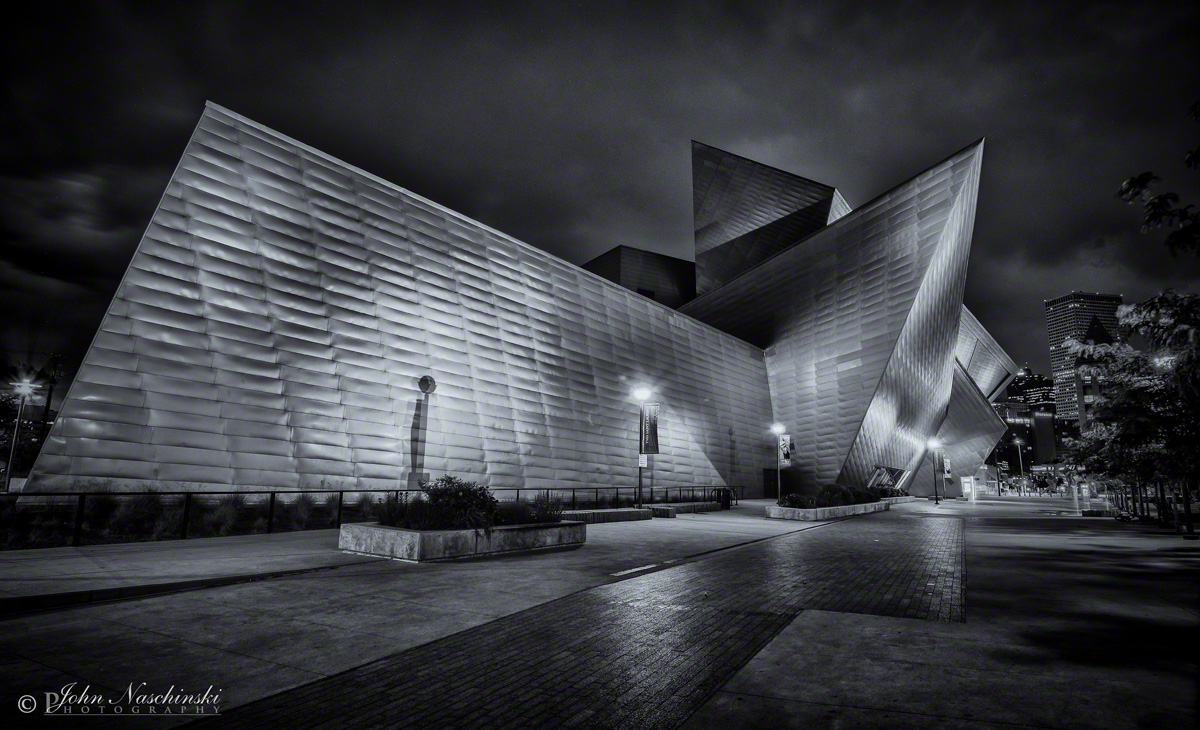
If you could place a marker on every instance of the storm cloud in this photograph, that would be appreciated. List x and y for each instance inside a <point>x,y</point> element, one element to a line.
<point>568,126</point>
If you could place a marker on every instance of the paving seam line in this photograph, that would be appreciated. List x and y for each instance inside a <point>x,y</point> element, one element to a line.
<point>539,606</point>
<point>48,602</point>
<point>18,606</point>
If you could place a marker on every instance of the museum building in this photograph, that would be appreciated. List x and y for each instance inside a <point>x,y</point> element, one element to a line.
<point>278,316</point>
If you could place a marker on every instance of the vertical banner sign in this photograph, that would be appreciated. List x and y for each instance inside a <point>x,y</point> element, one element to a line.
<point>649,443</point>
<point>785,449</point>
<point>946,467</point>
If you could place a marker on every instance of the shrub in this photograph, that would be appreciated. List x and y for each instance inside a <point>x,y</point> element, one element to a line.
<point>137,515</point>
<point>391,511</point>
<point>331,506</point>
<point>831,495</point>
<point>474,501</point>
<point>547,508</point>
<point>543,509</point>
<point>514,513</point>
<point>801,501</point>
<point>224,518</point>
<point>168,524</point>
<point>101,508</point>
<point>365,506</point>
<point>447,503</point>
<point>300,510</point>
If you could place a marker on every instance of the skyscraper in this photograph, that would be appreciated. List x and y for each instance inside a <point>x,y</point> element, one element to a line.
<point>1033,389</point>
<point>1070,316</point>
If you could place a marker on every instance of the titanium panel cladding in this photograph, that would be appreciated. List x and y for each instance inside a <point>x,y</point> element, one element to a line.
<point>745,211</point>
<point>860,322</point>
<point>984,359</point>
<point>276,317</point>
<point>969,433</point>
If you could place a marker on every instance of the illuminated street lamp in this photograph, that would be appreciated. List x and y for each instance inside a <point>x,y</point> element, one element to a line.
<point>1020,461</point>
<point>778,430</point>
<point>936,447</point>
<point>23,389</point>
<point>644,447</point>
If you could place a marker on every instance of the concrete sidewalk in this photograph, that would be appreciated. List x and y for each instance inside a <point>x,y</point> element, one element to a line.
<point>1071,622</point>
<point>56,577</point>
<point>108,569</point>
<point>259,638</point>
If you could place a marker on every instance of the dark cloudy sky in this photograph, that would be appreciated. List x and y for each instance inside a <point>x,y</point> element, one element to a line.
<point>568,125</point>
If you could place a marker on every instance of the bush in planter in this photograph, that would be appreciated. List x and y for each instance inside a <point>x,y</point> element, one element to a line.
<point>830,496</point>
<point>459,495</point>
<point>799,501</point>
<point>514,513</point>
<point>544,509</point>
<point>447,503</point>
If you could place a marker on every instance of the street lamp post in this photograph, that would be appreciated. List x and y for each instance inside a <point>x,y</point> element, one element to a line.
<point>778,429</point>
<point>641,394</point>
<point>936,446</point>
<point>1020,461</point>
<point>24,389</point>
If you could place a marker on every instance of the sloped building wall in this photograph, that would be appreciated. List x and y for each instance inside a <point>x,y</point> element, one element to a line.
<point>989,366</point>
<point>859,322</point>
<point>272,327</point>
<point>969,433</point>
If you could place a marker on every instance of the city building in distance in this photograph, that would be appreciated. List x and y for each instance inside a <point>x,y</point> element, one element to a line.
<point>289,321</point>
<point>1074,315</point>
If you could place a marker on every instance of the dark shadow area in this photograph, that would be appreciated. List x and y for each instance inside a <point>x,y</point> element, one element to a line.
<point>1115,604</point>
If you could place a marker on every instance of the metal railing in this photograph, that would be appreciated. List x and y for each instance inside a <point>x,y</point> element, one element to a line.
<point>60,518</point>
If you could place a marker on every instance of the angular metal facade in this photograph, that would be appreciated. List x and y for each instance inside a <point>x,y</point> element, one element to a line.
<point>665,279</point>
<point>860,325</point>
<point>276,317</point>
<point>744,212</point>
<point>282,306</point>
<point>970,432</point>
<point>983,358</point>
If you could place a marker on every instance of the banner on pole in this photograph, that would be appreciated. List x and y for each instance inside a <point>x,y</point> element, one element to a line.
<point>649,429</point>
<point>785,449</point>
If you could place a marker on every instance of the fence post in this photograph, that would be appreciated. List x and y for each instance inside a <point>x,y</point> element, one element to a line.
<point>339,515</point>
<point>271,515</point>
<point>187,514</point>
<point>77,534</point>
<point>572,499</point>
<point>518,495</point>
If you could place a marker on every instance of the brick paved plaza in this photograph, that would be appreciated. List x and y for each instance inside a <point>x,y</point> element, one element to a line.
<point>644,652</point>
<point>707,621</point>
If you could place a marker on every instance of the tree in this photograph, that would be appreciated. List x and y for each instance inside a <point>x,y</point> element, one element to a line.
<point>1162,210</point>
<point>1146,425</point>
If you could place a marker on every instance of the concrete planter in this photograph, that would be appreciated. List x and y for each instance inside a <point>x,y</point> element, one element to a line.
<point>371,538</point>
<point>670,510</point>
<point>898,500</point>
<point>776,512</point>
